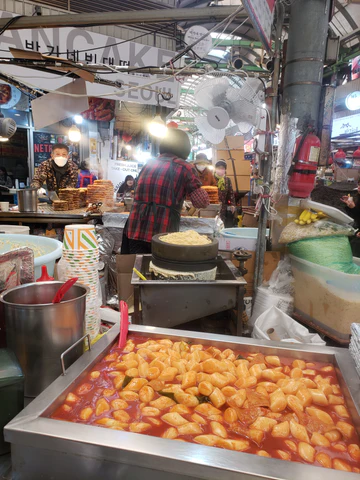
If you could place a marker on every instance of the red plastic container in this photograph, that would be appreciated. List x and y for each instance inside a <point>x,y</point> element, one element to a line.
<point>302,179</point>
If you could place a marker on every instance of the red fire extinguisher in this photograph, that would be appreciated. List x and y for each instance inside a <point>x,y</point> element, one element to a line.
<point>303,169</point>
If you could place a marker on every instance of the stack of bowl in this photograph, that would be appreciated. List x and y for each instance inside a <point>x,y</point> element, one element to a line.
<point>81,259</point>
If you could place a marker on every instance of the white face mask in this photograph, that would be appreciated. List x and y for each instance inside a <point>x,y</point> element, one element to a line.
<point>220,172</point>
<point>60,161</point>
<point>201,168</point>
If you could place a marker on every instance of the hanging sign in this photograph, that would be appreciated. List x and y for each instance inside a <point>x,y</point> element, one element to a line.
<point>119,169</point>
<point>87,47</point>
<point>43,143</point>
<point>346,125</point>
<point>261,13</point>
<point>193,34</point>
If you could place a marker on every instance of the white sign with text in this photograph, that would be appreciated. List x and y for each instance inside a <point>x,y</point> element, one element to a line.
<point>119,169</point>
<point>87,47</point>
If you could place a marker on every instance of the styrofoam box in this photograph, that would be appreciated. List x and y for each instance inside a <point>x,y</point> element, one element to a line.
<point>232,238</point>
<point>328,298</point>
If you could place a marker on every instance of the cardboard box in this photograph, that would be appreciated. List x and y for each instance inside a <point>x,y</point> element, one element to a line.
<point>124,270</point>
<point>242,167</point>
<point>270,263</point>
<point>234,143</point>
<point>243,182</point>
<point>250,221</point>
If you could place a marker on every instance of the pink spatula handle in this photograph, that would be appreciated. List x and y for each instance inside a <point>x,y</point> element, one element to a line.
<point>124,324</point>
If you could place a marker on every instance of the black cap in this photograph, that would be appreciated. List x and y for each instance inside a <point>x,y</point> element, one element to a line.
<point>221,163</point>
<point>176,143</point>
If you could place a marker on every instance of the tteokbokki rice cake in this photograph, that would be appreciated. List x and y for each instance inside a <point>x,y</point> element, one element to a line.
<point>271,406</point>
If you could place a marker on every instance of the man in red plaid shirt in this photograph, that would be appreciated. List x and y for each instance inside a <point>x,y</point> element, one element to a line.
<point>161,189</point>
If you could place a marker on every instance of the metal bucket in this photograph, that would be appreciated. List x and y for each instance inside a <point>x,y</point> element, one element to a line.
<point>27,200</point>
<point>39,332</point>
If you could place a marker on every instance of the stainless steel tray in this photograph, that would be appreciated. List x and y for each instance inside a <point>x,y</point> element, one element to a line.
<point>46,448</point>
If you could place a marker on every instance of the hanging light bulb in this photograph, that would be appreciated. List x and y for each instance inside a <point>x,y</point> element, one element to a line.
<point>157,127</point>
<point>74,134</point>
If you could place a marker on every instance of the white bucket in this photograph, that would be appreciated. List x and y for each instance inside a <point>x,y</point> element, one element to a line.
<point>15,229</point>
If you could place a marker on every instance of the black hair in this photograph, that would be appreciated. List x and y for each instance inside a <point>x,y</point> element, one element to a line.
<point>60,145</point>
<point>84,165</point>
<point>221,163</point>
<point>3,169</point>
<point>202,156</point>
<point>129,177</point>
<point>176,143</point>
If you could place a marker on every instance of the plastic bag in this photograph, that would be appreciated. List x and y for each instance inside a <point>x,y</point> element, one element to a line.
<point>331,252</point>
<point>322,228</point>
<point>283,328</point>
<point>265,300</point>
<point>16,268</point>
<point>282,281</point>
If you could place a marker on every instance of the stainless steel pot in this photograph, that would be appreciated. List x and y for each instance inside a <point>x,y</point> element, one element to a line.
<point>27,199</point>
<point>39,331</point>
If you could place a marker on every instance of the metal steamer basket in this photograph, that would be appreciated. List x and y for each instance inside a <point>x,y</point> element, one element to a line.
<point>46,448</point>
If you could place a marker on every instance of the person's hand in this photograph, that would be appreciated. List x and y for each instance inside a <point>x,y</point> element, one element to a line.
<point>232,209</point>
<point>358,234</point>
<point>41,191</point>
<point>349,201</point>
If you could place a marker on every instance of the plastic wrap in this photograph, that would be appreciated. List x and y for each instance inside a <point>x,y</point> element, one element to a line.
<point>282,280</point>
<point>107,243</point>
<point>331,252</point>
<point>204,226</point>
<point>16,268</point>
<point>323,228</point>
<point>274,324</point>
<point>265,300</point>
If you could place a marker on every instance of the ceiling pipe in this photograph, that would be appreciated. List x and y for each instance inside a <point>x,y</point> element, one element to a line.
<point>121,18</point>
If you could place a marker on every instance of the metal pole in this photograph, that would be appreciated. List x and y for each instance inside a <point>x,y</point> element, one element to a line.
<point>309,21</point>
<point>122,18</point>
<point>261,240</point>
<point>327,121</point>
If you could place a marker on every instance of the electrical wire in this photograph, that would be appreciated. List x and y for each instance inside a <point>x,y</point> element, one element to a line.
<point>144,87</point>
<point>10,22</point>
<point>189,47</point>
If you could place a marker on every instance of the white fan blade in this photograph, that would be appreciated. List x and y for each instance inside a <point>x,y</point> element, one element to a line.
<point>208,94</point>
<point>244,127</point>
<point>244,111</point>
<point>211,134</point>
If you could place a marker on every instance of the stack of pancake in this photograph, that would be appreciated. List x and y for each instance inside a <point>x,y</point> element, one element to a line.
<point>71,196</point>
<point>213,193</point>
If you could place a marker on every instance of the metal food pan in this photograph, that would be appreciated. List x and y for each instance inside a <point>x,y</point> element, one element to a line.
<point>43,448</point>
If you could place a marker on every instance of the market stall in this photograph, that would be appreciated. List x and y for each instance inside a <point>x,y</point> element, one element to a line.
<point>48,436</point>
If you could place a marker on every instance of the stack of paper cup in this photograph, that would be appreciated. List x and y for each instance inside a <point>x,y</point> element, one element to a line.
<point>81,258</point>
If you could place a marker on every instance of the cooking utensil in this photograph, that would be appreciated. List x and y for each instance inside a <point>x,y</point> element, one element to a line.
<point>53,196</point>
<point>140,275</point>
<point>63,289</point>
<point>27,199</point>
<point>124,324</point>
<point>38,331</point>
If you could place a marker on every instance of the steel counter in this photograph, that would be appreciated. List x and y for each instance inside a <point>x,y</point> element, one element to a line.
<point>43,448</point>
<point>168,303</point>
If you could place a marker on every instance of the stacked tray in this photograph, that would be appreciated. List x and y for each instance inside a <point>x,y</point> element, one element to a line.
<point>355,345</point>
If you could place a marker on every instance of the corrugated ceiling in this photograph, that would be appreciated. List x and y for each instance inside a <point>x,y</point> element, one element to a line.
<point>89,6</point>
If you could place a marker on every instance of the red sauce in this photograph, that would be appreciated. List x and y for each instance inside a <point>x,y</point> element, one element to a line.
<point>90,390</point>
